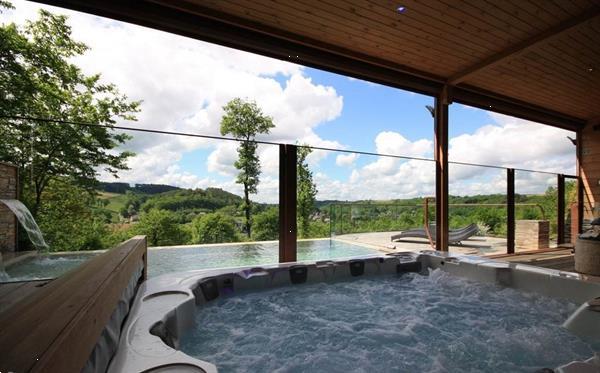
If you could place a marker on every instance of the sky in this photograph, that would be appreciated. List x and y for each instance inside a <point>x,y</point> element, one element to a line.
<point>184,83</point>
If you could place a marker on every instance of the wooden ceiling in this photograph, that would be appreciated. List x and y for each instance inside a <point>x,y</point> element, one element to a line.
<point>514,56</point>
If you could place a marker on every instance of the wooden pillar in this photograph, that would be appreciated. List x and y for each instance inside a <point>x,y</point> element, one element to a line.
<point>510,211</point>
<point>287,203</point>
<point>560,208</point>
<point>580,190</point>
<point>575,207</point>
<point>441,170</point>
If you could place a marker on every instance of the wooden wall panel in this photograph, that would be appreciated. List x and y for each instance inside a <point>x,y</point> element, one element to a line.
<point>590,169</point>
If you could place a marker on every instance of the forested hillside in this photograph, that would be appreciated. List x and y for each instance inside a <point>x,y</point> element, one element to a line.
<point>121,188</point>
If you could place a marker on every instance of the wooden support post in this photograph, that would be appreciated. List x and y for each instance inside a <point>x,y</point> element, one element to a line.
<point>510,211</point>
<point>426,221</point>
<point>580,191</point>
<point>560,208</point>
<point>287,203</point>
<point>441,170</point>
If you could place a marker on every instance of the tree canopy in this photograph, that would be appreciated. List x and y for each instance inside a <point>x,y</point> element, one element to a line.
<point>244,120</point>
<point>38,80</point>
<point>266,225</point>
<point>69,220</point>
<point>213,228</point>
<point>306,192</point>
<point>160,227</point>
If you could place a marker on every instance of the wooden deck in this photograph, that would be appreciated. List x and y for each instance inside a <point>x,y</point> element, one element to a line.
<point>13,292</point>
<point>53,326</point>
<point>560,258</point>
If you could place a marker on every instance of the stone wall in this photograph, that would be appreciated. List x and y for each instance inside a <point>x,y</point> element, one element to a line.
<point>532,234</point>
<point>8,223</point>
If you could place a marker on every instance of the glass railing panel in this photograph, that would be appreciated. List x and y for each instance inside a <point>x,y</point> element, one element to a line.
<point>185,194</point>
<point>362,201</point>
<point>571,211</point>
<point>536,208</point>
<point>477,213</point>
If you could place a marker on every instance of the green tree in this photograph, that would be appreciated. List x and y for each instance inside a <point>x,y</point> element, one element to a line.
<point>38,80</point>
<point>319,229</point>
<point>70,219</point>
<point>132,204</point>
<point>213,228</point>
<point>306,192</point>
<point>266,225</point>
<point>244,120</point>
<point>160,227</point>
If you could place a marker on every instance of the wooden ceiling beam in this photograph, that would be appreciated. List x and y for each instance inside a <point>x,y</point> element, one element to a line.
<point>523,46</point>
<point>486,100</point>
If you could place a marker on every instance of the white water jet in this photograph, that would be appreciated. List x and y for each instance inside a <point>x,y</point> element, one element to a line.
<point>28,222</point>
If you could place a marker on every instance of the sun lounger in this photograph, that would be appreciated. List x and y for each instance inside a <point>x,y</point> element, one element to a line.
<point>454,235</point>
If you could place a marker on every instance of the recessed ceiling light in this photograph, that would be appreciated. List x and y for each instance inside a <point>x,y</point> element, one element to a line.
<point>590,69</point>
<point>401,9</point>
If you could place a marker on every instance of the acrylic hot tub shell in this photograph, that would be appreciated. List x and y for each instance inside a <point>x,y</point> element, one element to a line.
<point>165,306</point>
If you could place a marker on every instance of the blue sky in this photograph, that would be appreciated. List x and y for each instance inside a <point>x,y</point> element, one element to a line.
<point>184,83</point>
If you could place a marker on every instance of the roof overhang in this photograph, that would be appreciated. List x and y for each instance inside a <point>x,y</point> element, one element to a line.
<point>533,96</point>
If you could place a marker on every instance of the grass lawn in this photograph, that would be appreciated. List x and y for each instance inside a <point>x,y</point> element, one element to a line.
<point>115,203</point>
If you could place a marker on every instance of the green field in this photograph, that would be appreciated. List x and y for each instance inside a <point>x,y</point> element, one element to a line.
<point>115,203</point>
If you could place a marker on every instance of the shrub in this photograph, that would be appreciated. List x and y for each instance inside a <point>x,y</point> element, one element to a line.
<point>213,228</point>
<point>266,225</point>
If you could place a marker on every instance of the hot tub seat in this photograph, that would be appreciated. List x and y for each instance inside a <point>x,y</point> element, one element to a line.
<point>165,305</point>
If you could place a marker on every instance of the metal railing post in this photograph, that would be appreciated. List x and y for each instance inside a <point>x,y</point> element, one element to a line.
<point>560,208</point>
<point>510,211</point>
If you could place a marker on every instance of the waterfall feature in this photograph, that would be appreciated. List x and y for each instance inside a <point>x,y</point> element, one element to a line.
<point>27,221</point>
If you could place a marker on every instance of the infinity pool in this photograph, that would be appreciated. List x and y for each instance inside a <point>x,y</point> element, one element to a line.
<point>412,323</point>
<point>185,258</point>
<point>175,259</point>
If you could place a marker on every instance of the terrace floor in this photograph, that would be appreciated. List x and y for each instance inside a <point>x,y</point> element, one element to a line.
<point>477,245</point>
<point>560,258</point>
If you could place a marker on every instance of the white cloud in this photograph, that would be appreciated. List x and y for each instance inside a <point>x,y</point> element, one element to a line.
<point>346,160</point>
<point>184,84</point>
<point>394,143</point>
<point>517,143</point>
<point>222,159</point>
<point>383,177</point>
<point>506,141</point>
<point>409,179</point>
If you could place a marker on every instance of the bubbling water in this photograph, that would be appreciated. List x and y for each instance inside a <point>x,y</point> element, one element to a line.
<point>412,323</point>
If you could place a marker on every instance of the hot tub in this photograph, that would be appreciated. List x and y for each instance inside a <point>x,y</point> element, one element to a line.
<point>401,312</point>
